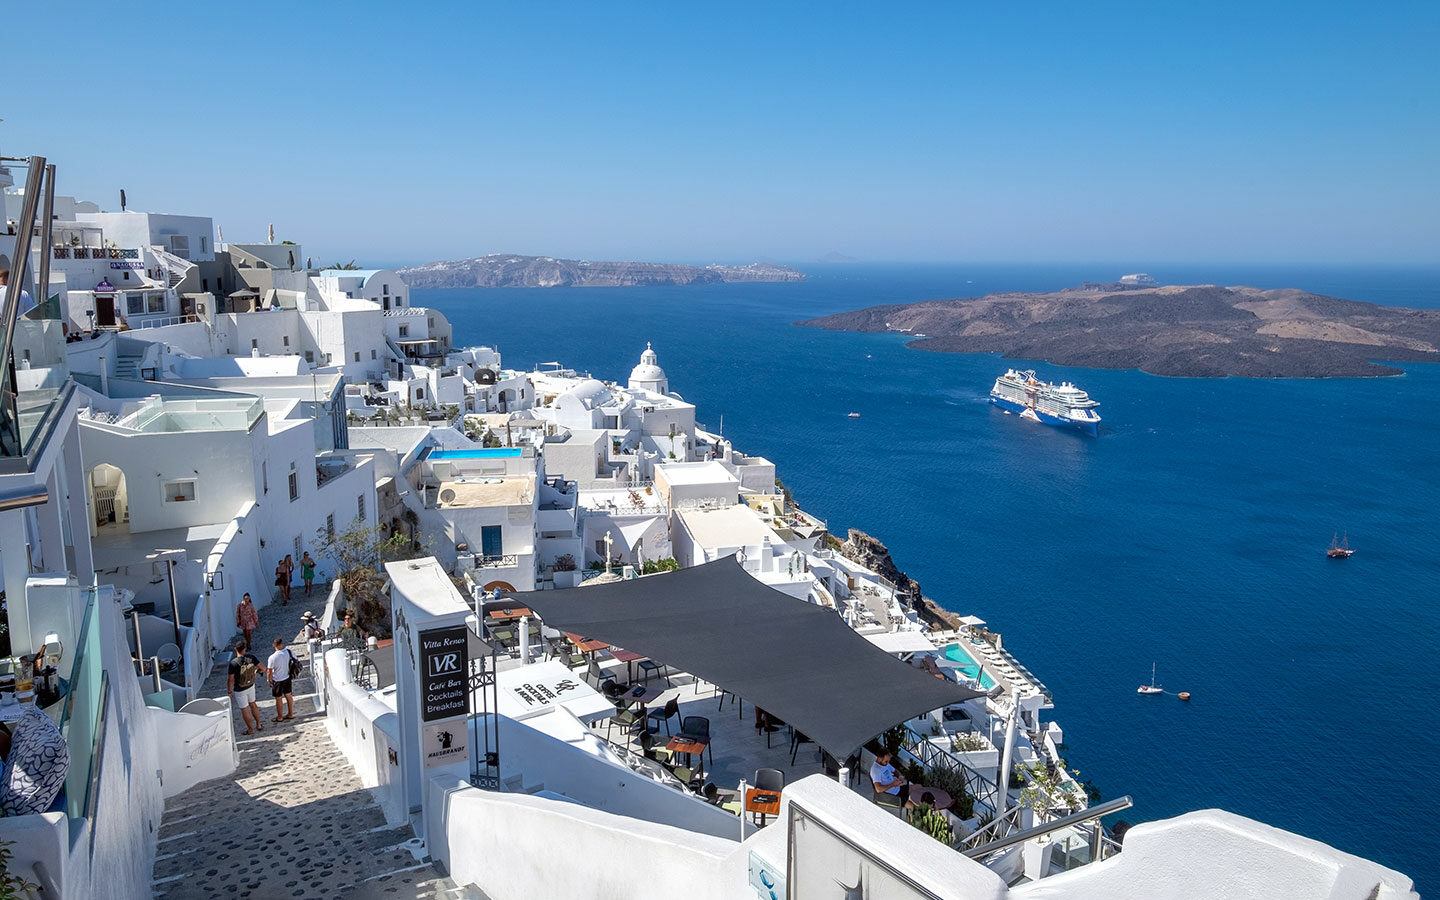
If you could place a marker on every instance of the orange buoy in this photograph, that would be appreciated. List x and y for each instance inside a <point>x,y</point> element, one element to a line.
<point>1184,695</point>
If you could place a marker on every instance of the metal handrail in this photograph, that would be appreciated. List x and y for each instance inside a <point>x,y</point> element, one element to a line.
<point>9,409</point>
<point>1079,818</point>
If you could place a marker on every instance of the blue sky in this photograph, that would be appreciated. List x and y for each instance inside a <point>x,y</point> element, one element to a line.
<point>1137,132</point>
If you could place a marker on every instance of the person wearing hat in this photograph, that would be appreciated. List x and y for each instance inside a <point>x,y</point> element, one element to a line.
<point>313,631</point>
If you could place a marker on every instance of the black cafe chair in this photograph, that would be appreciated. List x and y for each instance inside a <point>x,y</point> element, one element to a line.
<point>662,715</point>
<point>697,729</point>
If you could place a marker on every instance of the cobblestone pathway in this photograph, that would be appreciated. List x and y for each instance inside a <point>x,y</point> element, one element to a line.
<point>293,821</point>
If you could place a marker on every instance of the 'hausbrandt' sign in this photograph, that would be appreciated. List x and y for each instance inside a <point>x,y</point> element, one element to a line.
<point>444,662</point>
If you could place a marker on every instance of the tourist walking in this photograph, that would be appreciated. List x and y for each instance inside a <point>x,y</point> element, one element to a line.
<point>281,668</point>
<point>289,563</point>
<point>282,583</point>
<point>247,618</point>
<point>240,678</point>
<point>307,571</point>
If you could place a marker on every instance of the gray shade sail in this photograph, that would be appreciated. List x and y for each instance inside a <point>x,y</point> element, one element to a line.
<point>794,659</point>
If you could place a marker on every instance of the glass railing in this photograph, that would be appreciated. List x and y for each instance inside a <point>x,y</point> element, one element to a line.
<point>80,720</point>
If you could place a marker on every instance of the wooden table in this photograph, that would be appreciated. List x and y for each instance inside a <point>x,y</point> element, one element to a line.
<point>506,615</point>
<point>628,657</point>
<point>760,807</point>
<point>584,644</point>
<point>943,800</point>
<point>688,746</point>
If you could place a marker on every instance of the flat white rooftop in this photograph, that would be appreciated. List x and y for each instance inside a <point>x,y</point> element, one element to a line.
<point>696,473</point>
<point>731,526</point>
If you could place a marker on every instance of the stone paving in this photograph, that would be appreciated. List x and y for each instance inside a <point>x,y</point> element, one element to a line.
<point>293,821</point>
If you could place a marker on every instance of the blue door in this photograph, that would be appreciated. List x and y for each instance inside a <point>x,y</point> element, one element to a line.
<point>491,546</point>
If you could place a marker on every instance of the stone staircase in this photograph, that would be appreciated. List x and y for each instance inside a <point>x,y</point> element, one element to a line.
<point>293,821</point>
<point>127,366</point>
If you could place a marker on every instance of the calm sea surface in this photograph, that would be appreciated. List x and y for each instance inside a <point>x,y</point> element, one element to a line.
<point>1190,533</point>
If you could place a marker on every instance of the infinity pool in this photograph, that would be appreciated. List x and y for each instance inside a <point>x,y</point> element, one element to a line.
<point>485,453</point>
<point>968,666</point>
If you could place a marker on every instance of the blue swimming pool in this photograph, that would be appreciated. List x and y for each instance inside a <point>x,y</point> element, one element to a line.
<point>968,666</point>
<point>481,453</point>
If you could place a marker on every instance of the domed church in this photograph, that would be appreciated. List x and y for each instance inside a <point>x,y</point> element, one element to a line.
<point>648,376</point>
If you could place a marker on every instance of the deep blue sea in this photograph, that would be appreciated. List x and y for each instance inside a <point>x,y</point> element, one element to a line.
<point>1190,533</point>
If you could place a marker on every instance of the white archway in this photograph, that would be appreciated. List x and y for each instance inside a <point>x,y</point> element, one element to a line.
<point>109,499</point>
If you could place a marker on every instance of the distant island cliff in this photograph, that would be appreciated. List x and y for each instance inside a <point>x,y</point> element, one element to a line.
<point>1182,330</point>
<point>509,270</point>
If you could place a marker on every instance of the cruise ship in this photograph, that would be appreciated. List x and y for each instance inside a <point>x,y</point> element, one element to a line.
<point>1061,404</point>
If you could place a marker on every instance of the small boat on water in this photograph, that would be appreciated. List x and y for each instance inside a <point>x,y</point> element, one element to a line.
<point>1152,687</point>
<point>1340,548</point>
<point>854,415</point>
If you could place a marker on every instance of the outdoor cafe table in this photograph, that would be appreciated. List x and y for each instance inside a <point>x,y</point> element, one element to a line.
<point>943,800</point>
<point>584,644</point>
<point>507,615</point>
<point>682,744</point>
<point>628,657</point>
<point>758,802</point>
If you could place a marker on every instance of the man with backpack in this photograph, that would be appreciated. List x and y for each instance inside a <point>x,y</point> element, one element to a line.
<point>240,682</point>
<point>282,668</point>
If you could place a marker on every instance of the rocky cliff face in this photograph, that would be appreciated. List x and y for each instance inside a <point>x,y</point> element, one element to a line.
<point>509,270</point>
<point>869,552</point>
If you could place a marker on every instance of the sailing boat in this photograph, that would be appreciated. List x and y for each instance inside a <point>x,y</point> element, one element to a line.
<point>1340,548</point>
<point>1152,687</point>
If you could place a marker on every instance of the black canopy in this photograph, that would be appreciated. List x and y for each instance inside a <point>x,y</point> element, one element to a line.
<point>794,659</point>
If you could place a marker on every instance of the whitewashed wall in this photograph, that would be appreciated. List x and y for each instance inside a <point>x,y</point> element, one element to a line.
<point>518,847</point>
<point>366,731</point>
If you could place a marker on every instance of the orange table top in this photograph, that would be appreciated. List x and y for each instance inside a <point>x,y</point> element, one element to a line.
<point>584,644</point>
<point>504,615</point>
<point>755,805</point>
<point>681,744</point>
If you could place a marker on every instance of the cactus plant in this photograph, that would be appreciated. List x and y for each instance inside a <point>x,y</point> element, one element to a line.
<point>933,822</point>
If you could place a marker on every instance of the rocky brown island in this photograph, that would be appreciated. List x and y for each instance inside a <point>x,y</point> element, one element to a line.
<point>510,270</point>
<point>1183,330</point>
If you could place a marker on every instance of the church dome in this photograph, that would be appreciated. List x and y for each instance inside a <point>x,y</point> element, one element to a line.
<point>648,375</point>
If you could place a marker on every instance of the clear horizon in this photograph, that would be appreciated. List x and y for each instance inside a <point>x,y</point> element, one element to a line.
<point>1304,133</point>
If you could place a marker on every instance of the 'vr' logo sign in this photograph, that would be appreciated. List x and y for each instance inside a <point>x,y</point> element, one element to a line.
<point>445,664</point>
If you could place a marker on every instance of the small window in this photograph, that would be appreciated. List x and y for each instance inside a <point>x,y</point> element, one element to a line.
<point>203,241</point>
<point>399,301</point>
<point>134,304</point>
<point>285,340</point>
<point>431,320</point>
<point>156,303</point>
<point>309,356</point>
<point>180,491</point>
<point>404,330</point>
<point>357,355</point>
<point>384,289</point>
<point>204,284</point>
<point>330,526</point>
<point>372,354</point>
<point>419,393</point>
<point>254,344</point>
<point>294,486</point>
<point>329,357</point>
<point>360,507</point>
<point>127,275</point>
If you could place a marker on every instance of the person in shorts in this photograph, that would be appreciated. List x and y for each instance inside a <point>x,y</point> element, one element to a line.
<point>240,682</point>
<point>281,687</point>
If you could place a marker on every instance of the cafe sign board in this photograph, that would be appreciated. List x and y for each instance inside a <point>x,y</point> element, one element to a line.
<point>444,667</point>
